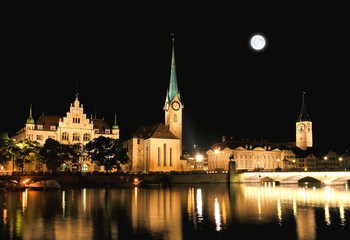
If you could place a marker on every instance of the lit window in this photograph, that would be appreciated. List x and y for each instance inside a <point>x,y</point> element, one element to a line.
<point>86,137</point>
<point>75,137</point>
<point>65,136</point>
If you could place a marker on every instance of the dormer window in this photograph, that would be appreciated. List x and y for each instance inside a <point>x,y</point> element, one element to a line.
<point>40,127</point>
<point>52,127</point>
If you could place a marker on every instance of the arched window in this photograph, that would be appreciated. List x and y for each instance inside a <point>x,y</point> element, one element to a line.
<point>75,136</point>
<point>86,137</point>
<point>175,118</point>
<point>65,136</point>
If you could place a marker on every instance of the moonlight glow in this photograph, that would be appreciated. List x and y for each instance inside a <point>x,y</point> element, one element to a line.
<point>257,42</point>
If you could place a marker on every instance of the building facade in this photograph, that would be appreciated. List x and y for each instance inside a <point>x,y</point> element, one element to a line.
<point>334,161</point>
<point>251,155</point>
<point>159,147</point>
<point>73,128</point>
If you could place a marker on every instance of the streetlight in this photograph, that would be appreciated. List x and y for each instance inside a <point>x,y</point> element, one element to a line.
<point>199,158</point>
<point>294,164</point>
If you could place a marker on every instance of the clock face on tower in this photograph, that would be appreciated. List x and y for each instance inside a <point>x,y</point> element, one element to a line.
<point>175,105</point>
<point>308,127</point>
<point>301,127</point>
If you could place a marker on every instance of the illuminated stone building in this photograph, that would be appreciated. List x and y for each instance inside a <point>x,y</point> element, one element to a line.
<point>159,147</point>
<point>251,155</point>
<point>73,128</point>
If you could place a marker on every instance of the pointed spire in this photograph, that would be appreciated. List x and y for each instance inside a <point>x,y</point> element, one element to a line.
<point>303,116</point>
<point>173,88</point>
<point>115,125</point>
<point>76,91</point>
<point>30,119</point>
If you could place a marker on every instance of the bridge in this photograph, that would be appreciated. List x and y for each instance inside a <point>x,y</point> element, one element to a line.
<point>327,178</point>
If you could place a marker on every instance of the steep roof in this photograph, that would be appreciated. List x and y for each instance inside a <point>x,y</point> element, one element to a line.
<point>173,87</point>
<point>232,144</point>
<point>30,119</point>
<point>303,116</point>
<point>47,121</point>
<point>100,124</point>
<point>156,131</point>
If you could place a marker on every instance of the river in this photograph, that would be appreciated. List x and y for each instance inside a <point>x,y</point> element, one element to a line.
<point>210,211</point>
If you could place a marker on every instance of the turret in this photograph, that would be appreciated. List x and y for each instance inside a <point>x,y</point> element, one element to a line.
<point>115,127</point>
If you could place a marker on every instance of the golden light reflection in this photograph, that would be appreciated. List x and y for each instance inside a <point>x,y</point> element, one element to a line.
<point>327,217</point>
<point>63,202</point>
<point>24,199</point>
<point>190,203</point>
<point>306,224</point>
<point>217,215</point>
<point>313,196</point>
<point>279,211</point>
<point>199,204</point>
<point>342,214</point>
<point>84,200</point>
<point>224,213</point>
<point>295,208</point>
<point>163,211</point>
<point>135,196</point>
<point>4,216</point>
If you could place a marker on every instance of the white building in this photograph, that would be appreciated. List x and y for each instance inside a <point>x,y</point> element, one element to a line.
<point>73,128</point>
<point>251,155</point>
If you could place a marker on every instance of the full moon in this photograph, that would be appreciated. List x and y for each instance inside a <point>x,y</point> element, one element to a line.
<point>257,42</point>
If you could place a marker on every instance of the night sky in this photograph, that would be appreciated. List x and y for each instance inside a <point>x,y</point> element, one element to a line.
<point>120,55</point>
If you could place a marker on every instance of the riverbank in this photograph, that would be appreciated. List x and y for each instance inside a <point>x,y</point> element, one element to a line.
<point>123,180</point>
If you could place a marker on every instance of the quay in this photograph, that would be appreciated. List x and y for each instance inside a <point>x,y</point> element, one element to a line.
<point>167,179</point>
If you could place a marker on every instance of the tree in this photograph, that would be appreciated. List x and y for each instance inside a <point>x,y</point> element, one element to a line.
<point>53,154</point>
<point>107,152</point>
<point>5,148</point>
<point>24,152</point>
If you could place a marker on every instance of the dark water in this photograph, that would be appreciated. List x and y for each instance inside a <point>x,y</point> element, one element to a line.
<point>179,212</point>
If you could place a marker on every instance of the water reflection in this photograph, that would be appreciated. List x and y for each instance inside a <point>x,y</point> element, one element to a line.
<point>180,212</point>
<point>217,215</point>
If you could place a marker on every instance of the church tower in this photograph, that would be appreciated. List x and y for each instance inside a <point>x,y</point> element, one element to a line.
<point>303,128</point>
<point>173,106</point>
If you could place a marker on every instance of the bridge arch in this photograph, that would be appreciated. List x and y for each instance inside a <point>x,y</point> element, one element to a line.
<point>309,179</point>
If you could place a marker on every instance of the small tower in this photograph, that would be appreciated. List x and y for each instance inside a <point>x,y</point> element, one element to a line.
<point>115,127</point>
<point>30,123</point>
<point>303,128</point>
<point>173,106</point>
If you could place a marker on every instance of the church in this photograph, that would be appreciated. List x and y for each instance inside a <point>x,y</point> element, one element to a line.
<point>159,147</point>
<point>73,128</point>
